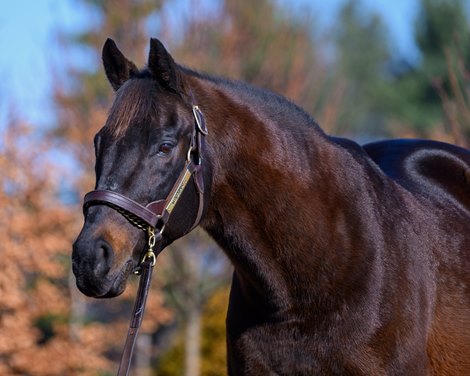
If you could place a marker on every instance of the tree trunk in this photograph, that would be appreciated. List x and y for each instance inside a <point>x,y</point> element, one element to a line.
<point>193,342</point>
<point>143,354</point>
<point>78,308</point>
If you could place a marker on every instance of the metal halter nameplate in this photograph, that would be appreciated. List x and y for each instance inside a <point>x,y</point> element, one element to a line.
<point>179,190</point>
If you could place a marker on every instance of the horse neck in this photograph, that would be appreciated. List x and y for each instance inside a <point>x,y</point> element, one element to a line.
<point>281,198</point>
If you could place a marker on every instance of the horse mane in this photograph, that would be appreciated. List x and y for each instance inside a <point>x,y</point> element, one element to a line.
<point>134,102</point>
<point>276,106</point>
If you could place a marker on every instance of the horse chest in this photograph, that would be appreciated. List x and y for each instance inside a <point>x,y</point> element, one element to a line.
<point>296,343</point>
<point>280,350</point>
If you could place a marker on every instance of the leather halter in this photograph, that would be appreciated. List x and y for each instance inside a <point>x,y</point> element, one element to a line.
<point>156,214</point>
<point>151,217</point>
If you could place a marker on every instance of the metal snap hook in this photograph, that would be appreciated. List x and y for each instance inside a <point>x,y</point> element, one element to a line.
<point>152,239</point>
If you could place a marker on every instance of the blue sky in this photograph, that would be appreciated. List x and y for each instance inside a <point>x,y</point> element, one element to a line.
<point>27,59</point>
<point>30,58</point>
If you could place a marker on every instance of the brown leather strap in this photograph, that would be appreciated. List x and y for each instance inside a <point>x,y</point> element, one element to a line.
<point>137,317</point>
<point>156,213</point>
<point>149,214</point>
<point>199,183</point>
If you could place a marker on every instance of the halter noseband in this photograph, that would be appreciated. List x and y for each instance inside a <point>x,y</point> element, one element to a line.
<point>153,217</point>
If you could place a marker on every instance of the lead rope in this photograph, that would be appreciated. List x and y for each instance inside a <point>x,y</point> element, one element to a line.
<point>146,268</point>
<point>149,259</point>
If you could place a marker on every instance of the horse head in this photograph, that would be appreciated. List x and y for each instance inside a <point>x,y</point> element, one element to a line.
<point>151,135</point>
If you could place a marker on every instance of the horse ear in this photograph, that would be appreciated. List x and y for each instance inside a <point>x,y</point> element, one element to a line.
<point>118,69</point>
<point>163,67</point>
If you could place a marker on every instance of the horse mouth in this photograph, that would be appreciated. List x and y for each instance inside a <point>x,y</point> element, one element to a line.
<point>120,281</point>
<point>113,285</point>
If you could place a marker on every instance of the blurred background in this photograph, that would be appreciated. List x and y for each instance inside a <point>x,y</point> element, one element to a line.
<point>365,69</point>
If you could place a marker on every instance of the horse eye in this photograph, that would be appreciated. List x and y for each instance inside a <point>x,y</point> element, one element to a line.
<point>165,148</point>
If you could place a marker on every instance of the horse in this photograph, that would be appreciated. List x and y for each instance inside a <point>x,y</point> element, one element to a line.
<point>348,260</point>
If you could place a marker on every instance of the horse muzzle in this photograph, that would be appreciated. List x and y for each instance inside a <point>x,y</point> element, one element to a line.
<point>103,257</point>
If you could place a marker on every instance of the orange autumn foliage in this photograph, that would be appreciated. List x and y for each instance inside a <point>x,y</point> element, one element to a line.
<point>42,332</point>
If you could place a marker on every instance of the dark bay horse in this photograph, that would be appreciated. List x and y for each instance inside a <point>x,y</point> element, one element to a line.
<point>348,260</point>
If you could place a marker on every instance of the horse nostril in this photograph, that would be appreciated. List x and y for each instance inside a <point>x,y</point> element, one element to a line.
<point>104,257</point>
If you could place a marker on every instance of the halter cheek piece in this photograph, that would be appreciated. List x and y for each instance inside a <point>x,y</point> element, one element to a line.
<point>153,217</point>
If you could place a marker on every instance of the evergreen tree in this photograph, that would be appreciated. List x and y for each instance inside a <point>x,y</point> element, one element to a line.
<point>442,26</point>
<point>362,55</point>
<point>456,100</point>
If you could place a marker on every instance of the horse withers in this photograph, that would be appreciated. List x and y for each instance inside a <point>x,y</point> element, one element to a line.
<point>347,260</point>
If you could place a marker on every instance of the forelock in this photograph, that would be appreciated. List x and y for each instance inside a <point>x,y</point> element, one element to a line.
<point>135,102</point>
